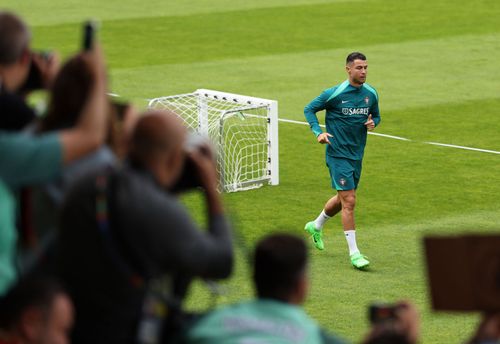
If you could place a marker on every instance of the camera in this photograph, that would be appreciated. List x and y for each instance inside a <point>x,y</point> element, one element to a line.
<point>89,29</point>
<point>379,312</point>
<point>34,79</point>
<point>189,178</point>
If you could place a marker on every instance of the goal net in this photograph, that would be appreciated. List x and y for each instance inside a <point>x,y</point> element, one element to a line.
<point>243,129</point>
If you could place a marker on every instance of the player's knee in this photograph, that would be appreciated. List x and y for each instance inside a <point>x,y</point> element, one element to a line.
<point>349,202</point>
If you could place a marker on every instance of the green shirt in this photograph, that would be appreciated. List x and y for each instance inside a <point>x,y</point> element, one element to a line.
<point>24,160</point>
<point>347,109</point>
<point>258,321</point>
<point>8,237</point>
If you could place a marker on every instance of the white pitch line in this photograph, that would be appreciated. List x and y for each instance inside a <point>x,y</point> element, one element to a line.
<point>389,136</point>
<point>383,135</point>
<point>321,125</point>
<point>405,139</point>
<point>463,147</point>
<point>292,121</point>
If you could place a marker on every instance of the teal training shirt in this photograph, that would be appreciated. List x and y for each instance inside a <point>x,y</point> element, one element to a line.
<point>8,238</point>
<point>257,321</point>
<point>347,109</point>
<point>24,160</point>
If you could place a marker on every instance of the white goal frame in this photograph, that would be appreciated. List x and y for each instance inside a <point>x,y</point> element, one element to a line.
<point>207,113</point>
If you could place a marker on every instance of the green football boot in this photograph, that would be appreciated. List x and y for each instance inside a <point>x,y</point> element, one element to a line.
<point>315,234</point>
<point>359,261</point>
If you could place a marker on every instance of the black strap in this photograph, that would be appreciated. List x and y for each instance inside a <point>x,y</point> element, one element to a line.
<point>103,223</point>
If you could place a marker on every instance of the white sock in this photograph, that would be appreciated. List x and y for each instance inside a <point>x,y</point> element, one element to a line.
<point>321,220</point>
<point>350,236</point>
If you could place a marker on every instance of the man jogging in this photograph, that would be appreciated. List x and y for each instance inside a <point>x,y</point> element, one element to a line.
<point>351,109</point>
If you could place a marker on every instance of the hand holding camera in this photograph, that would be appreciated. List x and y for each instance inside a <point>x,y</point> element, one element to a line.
<point>43,69</point>
<point>200,153</point>
<point>92,52</point>
<point>199,167</point>
<point>401,317</point>
<point>48,64</point>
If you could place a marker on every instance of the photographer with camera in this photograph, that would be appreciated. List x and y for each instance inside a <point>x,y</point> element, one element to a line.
<point>26,160</point>
<point>126,243</point>
<point>21,71</point>
<point>69,92</point>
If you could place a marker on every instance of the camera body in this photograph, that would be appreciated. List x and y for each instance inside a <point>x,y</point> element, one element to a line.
<point>89,29</point>
<point>189,178</point>
<point>380,312</point>
<point>34,80</point>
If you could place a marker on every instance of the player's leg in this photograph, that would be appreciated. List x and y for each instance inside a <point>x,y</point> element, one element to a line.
<point>331,208</point>
<point>348,200</point>
<point>314,228</point>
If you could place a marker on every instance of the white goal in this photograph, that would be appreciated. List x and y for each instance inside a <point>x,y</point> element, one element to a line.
<point>243,129</point>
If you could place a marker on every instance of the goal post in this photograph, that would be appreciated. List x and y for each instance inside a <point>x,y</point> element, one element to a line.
<point>243,130</point>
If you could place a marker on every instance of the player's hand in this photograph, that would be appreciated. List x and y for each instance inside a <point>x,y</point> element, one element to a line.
<point>323,138</point>
<point>370,124</point>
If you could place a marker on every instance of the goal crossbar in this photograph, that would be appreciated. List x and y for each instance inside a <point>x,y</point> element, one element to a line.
<point>243,129</point>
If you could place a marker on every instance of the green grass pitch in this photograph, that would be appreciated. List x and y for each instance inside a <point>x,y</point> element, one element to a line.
<point>434,65</point>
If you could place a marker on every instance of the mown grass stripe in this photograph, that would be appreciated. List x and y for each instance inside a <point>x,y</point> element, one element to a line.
<point>258,32</point>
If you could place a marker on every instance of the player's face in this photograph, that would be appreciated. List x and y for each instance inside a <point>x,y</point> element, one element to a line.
<point>357,71</point>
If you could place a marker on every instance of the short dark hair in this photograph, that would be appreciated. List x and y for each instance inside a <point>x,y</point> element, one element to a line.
<point>279,262</point>
<point>37,292</point>
<point>14,38</point>
<point>355,56</point>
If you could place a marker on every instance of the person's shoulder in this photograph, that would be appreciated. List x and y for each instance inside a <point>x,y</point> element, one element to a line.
<point>371,89</point>
<point>137,188</point>
<point>340,85</point>
<point>336,90</point>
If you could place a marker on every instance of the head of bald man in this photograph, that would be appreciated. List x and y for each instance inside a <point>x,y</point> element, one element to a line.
<point>157,144</point>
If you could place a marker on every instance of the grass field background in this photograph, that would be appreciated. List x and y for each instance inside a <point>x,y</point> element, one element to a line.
<point>435,66</point>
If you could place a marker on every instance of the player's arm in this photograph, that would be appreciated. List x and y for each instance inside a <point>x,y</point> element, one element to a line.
<point>374,117</point>
<point>374,111</point>
<point>316,105</point>
<point>375,114</point>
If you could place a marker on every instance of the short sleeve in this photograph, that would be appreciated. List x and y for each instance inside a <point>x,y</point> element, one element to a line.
<point>27,159</point>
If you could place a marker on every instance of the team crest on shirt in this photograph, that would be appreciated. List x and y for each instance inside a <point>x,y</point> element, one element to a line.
<point>342,181</point>
<point>367,100</point>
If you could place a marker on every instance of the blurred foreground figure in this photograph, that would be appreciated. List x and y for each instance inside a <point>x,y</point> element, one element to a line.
<point>35,311</point>
<point>128,248</point>
<point>276,316</point>
<point>26,160</point>
<point>402,326</point>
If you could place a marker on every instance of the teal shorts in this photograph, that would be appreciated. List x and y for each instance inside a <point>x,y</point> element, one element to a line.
<point>344,173</point>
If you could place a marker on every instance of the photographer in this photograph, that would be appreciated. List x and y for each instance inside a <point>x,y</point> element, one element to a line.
<point>21,71</point>
<point>112,257</point>
<point>70,90</point>
<point>27,160</point>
